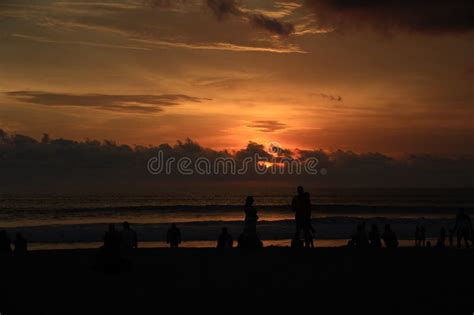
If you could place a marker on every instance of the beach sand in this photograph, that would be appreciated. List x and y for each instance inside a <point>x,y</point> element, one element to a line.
<point>165,281</point>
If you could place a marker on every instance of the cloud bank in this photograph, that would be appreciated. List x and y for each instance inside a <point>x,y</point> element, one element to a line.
<point>37,165</point>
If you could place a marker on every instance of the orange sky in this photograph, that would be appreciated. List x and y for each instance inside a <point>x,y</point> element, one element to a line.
<point>140,73</point>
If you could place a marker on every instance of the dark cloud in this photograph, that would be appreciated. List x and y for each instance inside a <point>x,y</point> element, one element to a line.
<point>224,8</point>
<point>49,163</point>
<point>227,8</point>
<point>267,125</point>
<point>435,16</point>
<point>335,98</point>
<point>272,25</point>
<point>110,102</point>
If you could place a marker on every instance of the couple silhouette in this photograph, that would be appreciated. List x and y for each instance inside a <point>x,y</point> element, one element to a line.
<point>301,206</point>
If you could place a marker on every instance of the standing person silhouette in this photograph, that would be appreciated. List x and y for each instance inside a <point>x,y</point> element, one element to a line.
<point>297,205</point>
<point>129,242</point>
<point>422,235</point>
<point>111,256</point>
<point>249,238</point>
<point>173,237</point>
<point>251,216</point>
<point>442,238</point>
<point>463,228</point>
<point>417,235</point>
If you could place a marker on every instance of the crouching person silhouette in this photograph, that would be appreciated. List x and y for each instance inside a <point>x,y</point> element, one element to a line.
<point>225,239</point>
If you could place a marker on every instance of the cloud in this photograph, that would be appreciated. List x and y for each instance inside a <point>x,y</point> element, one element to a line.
<point>335,98</point>
<point>289,49</point>
<point>110,102</point>
<point>436,16</point>
<point>226,8</point>
<point>39,39</point>
<point>267,125</point>
<point>272,25</point>
<point>147,38</point>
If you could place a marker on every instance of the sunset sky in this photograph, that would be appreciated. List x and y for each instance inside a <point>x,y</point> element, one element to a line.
<point>387,76</point>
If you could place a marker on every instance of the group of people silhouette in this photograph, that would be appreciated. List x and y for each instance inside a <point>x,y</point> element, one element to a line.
<point>304,230</point>
<point>120,244</point>
<point>123,241</point>
<point>361,239</point>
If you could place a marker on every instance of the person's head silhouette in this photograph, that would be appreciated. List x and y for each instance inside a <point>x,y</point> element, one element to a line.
<point>249,201</point>
<point>224,230</point>
<point>111,227</point>
<point>300,190</point>
<point>126,225</point>
<point>306,196</point>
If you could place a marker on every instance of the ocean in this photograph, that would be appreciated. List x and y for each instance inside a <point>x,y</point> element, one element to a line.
<point>79,221</point>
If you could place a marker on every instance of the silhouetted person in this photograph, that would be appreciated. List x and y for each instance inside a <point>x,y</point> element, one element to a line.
<point>251,216</point>
<point>21,245</point>
<point>420,235</point>
<point>417,235</point>
<point>129,237</point>
<point>128,243</point>
<point>249,238</point>
<point>442,238</point>
<point>297,205</point>
<point>389,237</point>
<point>110,257</point>
<point>359,239</point>
<point>5,243</point>
<point>463,228</point>
<point>112,240</point>
<point>450,237</point>
<point>225,239</point>
<point>173,236</point>
<point>374,237</point>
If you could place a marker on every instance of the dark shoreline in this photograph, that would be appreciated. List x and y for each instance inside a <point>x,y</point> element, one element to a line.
<point>400,281</point>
